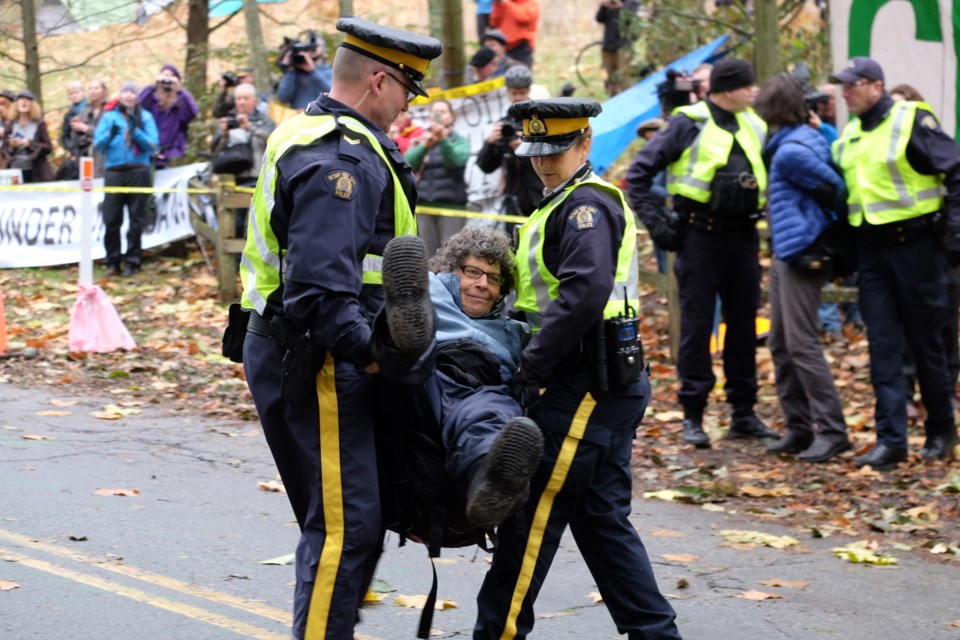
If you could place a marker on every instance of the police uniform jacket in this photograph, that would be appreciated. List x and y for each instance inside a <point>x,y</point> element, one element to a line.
<point>334,205</point>
<point>662,150</point>
<point>930,151</point>
<point>583,255</point>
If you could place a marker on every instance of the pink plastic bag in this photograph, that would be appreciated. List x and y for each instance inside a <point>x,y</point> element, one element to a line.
<point>95,324</point>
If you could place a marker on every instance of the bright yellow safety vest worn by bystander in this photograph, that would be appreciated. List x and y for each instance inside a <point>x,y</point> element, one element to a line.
<point>260,265</point>
<point>883,187</point>
<point>537,287</point>
<point>691,175</point>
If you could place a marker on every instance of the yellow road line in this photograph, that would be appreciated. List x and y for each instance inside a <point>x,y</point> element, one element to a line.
<point>250,606</point>
<point>201,615</point>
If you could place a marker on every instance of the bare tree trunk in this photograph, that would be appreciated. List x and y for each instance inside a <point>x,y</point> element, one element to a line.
<point>454,61</point>
<point>435,10</point>
<point>31,51</point>
<point>766,53</point>
<point>346,8</point>
<point>198,35</point>
<point>258,55</point>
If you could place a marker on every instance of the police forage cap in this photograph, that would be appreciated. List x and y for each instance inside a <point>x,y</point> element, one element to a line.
<point>518,77</point>
<point>411,53</point>
<point>857,68</point>
<point>730,74</point>
<point>552,126</point>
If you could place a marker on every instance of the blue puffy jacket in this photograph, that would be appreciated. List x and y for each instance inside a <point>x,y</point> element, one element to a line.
<point>110,138</point>
<point>802,180</point>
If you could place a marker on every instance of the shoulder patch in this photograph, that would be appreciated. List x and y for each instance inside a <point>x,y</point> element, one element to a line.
<point>929,122</point>
<point>342,184</point>
<point>583,217</point>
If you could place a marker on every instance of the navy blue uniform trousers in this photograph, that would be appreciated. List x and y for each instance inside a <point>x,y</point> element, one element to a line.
<point>326,455</point>
<point>725,264</point>
<point>584,481</point>
<point>906,285</point>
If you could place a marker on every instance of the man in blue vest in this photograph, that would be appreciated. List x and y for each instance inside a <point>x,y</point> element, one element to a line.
<point>712,154</point>
<point>897,161</point>
<point>317,268</point>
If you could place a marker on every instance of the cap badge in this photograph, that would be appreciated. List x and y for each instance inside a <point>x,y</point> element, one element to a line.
<point>537,128</point>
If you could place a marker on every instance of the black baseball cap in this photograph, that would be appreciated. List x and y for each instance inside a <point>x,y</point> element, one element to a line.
<point>857,68</point>
<point>483,57</point>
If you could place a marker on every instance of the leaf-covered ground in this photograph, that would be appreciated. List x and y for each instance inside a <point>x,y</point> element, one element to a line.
<point>172,312</point>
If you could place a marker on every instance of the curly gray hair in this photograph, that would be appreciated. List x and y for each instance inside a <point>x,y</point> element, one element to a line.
<point>490,244</point>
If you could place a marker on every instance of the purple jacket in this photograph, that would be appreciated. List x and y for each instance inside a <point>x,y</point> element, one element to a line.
<point>172,123</point>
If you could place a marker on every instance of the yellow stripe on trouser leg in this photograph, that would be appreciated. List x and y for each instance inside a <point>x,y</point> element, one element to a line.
<point>544,508</point>
<point>324,581</point>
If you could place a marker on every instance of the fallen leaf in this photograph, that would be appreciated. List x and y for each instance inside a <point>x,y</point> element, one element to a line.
<point>63,403</point>
<point>103,415</point>
<point>418,602</point>
<point>666,533</point>
<point>281,560</point>
<point>372,597</point>
<point>663,494</point>
<point>8,585</point>
<point>682,583</point>
<point>668,416</point>
<point>861,552</point>
<point>30,437</point>
<point>757,537</point>
<point>761,492</point>
<point>273,485</point>
<point>939,548</point>
<point>54,414</point>
<point>712,507</point>
<point>955,624</point>
<point>777,582</point>
<point>596,597</point>
<point>679,557</point>
<point>758,596</point>
<point>117,492</point>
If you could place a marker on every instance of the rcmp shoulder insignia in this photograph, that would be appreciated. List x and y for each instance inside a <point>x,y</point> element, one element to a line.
<point>342,184</point>
<point>929,122</point>
<point>583,217</point>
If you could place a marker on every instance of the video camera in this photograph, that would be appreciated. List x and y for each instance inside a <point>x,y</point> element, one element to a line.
<point>300,48</point>
<point>510,129</point>
<point>814,98</point>
<point>230,79</point>
<point>676,91</point>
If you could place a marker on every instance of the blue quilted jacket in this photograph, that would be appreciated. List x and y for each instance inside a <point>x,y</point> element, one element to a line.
<point>802,176</point>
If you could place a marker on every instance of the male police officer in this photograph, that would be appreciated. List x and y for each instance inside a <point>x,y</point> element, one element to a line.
<point>896,160</point>
<point>332,192</point>
<point>715,173</point>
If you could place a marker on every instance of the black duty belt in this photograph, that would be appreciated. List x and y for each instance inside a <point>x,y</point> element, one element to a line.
<point>718,224</point>
<point>258,324</point>
<point>902,232</point>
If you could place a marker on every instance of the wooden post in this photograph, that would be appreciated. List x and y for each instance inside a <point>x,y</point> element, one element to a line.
<point>226,231</point>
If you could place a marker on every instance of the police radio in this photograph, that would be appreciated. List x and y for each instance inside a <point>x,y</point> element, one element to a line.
<point>619,350</point>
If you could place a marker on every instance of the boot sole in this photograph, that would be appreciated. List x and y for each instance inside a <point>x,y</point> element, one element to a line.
<point>513,459</point>
<point>406,287</point>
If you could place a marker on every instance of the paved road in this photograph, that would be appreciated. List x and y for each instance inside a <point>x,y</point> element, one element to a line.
<point>182,558</point>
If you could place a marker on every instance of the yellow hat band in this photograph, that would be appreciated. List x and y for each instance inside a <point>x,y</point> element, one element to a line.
<point>534,126</point>
<point>399,58</point>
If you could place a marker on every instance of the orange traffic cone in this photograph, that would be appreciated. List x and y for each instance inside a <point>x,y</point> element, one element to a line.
<point>3,326</point>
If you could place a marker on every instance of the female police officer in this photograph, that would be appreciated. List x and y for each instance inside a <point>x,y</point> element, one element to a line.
<point>576,267</point>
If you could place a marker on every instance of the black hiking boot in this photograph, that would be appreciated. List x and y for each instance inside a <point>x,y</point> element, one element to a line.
<point>406,286</point>
<point>499,482</point>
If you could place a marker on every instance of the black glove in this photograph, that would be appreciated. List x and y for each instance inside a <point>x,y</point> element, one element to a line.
<point>665,231</point>
<point>524,389</point>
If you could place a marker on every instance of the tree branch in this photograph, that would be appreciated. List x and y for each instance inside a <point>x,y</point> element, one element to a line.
<point>61,67</point>
<point>169,11</point>
<point>7,56</point>
<point>224,21</point>
<point>722,23</point>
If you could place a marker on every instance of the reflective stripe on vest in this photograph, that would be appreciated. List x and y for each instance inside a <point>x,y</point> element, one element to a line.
<point>882,185</point>
<point>260,264</point>
<point>537,287</point>
<point>691,175</point>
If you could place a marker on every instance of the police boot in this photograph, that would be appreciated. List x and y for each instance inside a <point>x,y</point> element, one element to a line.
<point>406,287</point>
<point>500,481</point>
<point>746,424</point>
<point>693,429</point>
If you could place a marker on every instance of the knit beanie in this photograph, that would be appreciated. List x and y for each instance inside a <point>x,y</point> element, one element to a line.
<point>730,74</point>
<point>172,69</point>
<point>482,57</point>
<point>130,85</point>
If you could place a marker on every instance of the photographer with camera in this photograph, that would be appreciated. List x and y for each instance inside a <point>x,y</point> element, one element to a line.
<point>173,108</point>
<point>306,73</point>
<point>229,81</point>
<point>240,142</point>
<point>522,188</point>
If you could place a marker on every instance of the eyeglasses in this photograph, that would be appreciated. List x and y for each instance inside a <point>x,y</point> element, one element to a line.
<point>411,94</point>
<point>475,273</point>
<point>858,83</point>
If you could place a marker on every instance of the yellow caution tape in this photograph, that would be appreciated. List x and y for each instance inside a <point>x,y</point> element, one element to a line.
<point>459,213</point>
<point>461,92</point>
